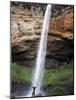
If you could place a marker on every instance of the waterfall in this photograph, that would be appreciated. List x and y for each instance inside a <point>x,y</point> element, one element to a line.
<point>40,61</point>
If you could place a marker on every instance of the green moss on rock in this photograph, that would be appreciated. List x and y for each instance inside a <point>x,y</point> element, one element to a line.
<point>58,91</point>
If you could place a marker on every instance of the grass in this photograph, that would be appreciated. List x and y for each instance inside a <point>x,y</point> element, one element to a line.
<point>53,77</point>
<point>20,73</point>
<point>61,75</point>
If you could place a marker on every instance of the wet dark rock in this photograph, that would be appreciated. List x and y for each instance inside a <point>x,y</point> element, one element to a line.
<point>19,88</point>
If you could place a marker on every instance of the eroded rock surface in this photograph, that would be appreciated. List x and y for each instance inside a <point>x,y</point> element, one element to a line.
<point>26,26</point>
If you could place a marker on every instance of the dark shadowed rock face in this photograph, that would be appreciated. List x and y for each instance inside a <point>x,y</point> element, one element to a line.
<point>26,25</point>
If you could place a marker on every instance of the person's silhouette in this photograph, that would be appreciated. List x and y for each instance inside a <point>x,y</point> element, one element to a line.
<point>33,93</point>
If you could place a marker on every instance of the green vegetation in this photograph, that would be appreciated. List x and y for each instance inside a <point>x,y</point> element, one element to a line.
<point>58,91</point>
<point>21,73</point>
<point>61,75</point>
<point>55,78</point>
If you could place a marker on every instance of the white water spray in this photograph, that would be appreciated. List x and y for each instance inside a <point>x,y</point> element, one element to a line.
<point>40,61</point>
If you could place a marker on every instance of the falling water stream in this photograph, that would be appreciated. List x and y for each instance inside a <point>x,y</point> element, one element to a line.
<point>40,61</point>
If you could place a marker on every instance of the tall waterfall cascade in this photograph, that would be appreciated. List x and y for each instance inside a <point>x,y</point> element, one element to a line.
<point>40,61</point>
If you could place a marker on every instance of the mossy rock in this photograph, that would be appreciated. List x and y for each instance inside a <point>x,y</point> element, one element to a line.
<point>57,91</point>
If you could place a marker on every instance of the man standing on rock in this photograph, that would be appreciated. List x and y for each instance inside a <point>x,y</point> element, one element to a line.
<point>33,93</point>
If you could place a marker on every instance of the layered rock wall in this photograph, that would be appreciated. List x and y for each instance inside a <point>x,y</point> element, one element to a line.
<point>26,26</point>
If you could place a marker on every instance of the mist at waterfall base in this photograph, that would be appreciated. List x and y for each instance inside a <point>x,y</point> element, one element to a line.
<point>40,61</point>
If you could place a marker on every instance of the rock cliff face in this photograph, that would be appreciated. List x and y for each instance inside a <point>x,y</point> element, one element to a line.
<point>26,26</point>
